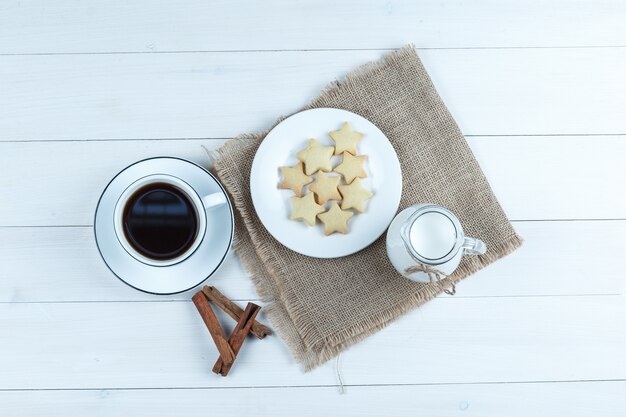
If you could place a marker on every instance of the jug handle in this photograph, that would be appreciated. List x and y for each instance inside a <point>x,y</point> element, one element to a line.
<point>473,246</point>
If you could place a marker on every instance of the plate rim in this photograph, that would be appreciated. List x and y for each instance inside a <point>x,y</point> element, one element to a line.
<point>252,192</point>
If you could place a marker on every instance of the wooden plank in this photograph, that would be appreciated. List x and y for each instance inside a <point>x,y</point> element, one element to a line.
<point>68,267</point>
<point>555,178</point>
<point>146,26</point>
<point>59,183</point>
<point>199,95</point>
<point>606,399</point>
<point>36,172</point>
<point>554,260</point>
<point>164,344</point>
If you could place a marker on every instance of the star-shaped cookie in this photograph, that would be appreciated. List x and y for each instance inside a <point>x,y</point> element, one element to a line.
<point>346,139</point>
<point>305,208</point>
<point>325,187</point>
<point>316,157</point>
<point>354,196</point>
<point>352,167</point>
<point>335,220</point>
<point>294,179</point>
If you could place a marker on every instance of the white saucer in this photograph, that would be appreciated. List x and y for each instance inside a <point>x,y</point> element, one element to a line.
<point>273,205</point>
<point>184,275</point>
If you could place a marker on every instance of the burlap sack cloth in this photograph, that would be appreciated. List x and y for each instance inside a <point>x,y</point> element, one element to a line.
<point>322,306</point>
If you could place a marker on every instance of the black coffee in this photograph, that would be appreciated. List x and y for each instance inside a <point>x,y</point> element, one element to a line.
<point>160,222</point>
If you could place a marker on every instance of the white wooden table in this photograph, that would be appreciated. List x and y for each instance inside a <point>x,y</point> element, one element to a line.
<point>86,88</point>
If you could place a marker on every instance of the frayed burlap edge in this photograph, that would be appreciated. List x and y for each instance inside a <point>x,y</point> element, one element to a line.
<point>264,267</point>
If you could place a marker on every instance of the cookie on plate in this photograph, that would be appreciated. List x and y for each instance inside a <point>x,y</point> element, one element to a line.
<point>305,209</point>
<point>354,195</point>
<point>325,187</point>
<point>335,220</point>
<point>316,157</point>
<point>294,179</point>
<point>352,167</point>
<point>346,139</point>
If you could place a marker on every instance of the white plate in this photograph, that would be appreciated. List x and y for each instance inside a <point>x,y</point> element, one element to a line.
<point>273,205</point>
<point>192,271</point>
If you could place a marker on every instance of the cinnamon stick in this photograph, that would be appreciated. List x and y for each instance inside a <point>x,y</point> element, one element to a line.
<point>237,337</point>
<point>233,310</point>
<point>209,318</point>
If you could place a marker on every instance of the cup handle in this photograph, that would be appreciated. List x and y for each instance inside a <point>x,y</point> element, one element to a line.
<point>213,200</point>
<point>473,246</point>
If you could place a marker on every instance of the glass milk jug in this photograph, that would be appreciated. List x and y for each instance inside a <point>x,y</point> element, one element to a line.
<point>428,237</point>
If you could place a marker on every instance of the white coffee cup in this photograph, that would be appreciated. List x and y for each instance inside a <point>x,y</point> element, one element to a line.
<point>200,204</point>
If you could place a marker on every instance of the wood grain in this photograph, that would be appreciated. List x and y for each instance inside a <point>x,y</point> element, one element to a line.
<point>69,268</point>
<point>195,25</point>
<point>448,340</point>
<point>578,189</point>
<point>222,94</point>
<point>578,399</point>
